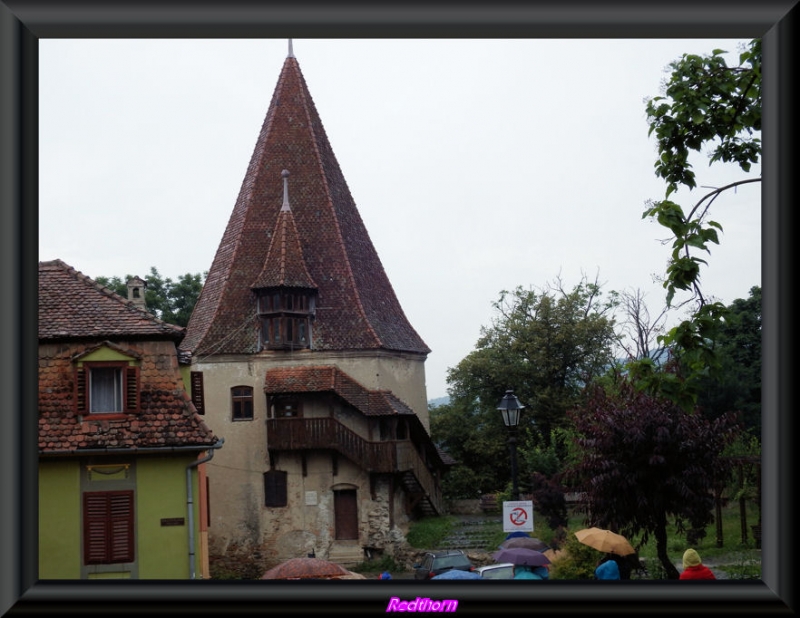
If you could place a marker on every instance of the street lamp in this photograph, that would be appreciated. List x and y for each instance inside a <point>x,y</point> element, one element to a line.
<point>510,408</point>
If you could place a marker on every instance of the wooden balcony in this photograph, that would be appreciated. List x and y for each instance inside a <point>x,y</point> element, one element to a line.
<point>387,457</point>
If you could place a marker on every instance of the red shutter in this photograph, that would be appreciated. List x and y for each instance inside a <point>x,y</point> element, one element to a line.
<point>198,397</point>
<point>131,389</point>
<point>80,389</point>
<point>108,527</point>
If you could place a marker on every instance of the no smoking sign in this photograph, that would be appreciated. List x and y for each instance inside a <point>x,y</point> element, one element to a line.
<point>518,515</point>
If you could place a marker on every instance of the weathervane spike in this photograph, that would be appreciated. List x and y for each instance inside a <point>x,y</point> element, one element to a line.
<point>291,52</point>
<point>285,174</point>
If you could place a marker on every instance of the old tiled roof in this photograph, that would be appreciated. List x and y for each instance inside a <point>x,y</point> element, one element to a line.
<point>284,265</point>
<point>76,316</point>
<point>330,379</point>
<point>73,306</point>
<point>327,378</point>
<point>356,307</point>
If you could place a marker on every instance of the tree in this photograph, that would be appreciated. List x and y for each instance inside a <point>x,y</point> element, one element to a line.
<point>706,103</point>
<point>544,344</point>
<point>644,459</point>
<point>737,385</point>
<point>477,442</point>
<point>170,301</point>
<point>639,331</point>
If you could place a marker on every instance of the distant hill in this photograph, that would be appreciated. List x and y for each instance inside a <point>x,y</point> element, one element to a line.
<point>439,401</point>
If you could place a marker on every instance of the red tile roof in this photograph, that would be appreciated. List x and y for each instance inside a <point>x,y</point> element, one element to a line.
<point>357,307</point>
<point>73,306</point>
<point>304,379</point>
<point>76,316</point>
<point>284,265</point>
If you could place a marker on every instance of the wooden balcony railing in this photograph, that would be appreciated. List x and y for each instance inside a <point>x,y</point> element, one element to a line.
<point>289,434</point>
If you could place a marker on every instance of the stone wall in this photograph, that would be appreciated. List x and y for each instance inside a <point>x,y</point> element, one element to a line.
<point>464,507</point>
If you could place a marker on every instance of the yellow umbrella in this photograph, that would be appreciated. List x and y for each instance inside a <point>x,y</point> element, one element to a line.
<point>605,541</point>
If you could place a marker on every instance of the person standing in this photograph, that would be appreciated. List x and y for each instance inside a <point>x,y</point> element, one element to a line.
<point>693,567</point>
<point>523,571</point>
<point>607,569</point>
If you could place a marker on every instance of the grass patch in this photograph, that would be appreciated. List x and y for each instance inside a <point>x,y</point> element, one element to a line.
<point>429,532</point>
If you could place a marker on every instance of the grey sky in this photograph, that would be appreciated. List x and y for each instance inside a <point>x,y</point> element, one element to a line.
<point>477,165</point>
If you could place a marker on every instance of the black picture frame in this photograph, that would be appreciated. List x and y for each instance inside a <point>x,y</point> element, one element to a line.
<point>23,23</point>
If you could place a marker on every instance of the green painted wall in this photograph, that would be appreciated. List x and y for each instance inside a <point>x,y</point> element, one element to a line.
<point>59,520</point>
<point>163,551</point>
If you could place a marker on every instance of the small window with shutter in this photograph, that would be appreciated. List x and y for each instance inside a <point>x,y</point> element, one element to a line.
<point>106,388</point>
<point>108,527</point>
<point>275,488</point>
<point>198,397</point>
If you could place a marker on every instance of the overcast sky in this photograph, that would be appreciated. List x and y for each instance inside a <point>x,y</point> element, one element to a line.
<point>477,165</point>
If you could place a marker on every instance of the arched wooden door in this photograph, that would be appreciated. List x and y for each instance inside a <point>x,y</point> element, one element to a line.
<point>345,508</point>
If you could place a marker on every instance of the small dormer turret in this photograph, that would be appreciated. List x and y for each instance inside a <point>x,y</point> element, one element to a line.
<point>136,289</point>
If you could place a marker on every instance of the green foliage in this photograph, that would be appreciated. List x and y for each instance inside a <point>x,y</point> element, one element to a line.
<point>476,439</point>
<point>736,385</point>
<point>645,460</point>
<point>545,344</point>
<point>384,563</point>
<point>579,561</point>
<point>706,103</point>
<point>171,301</point>
<point>429,532</point>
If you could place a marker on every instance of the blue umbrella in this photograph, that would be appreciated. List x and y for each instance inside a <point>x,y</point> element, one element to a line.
<point>457,574</point>
<point>515,534</point>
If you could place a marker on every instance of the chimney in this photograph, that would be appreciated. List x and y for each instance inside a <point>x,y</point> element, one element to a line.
<point>136,288</point>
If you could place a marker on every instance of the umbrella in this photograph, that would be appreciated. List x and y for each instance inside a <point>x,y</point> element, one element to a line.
<point>350,575</point>
<point>305,568</point>
<point>516,533</point>
<point>528,542</point>
<point>457,574</point>
<point>521,555</point>
<point>605,541</point>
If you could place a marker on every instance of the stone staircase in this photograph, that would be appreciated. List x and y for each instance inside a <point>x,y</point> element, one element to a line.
<point>346,553</point>
<point>472,533</point>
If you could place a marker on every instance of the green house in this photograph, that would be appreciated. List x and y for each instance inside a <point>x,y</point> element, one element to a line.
<point>122,449</point>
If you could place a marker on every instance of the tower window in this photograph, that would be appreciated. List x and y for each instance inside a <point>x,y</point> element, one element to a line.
<point>242,403</point>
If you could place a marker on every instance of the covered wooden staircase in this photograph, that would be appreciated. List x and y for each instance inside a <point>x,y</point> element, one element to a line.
<point>398,457</point>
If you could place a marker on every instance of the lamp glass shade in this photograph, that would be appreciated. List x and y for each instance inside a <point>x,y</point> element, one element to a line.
<point>510,408</point>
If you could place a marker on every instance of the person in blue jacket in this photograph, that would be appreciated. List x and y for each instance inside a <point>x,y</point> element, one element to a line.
<point>522,571</point>
<point>607,570</point>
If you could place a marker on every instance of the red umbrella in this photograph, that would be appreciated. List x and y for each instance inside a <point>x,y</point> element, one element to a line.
<point>306,568</point>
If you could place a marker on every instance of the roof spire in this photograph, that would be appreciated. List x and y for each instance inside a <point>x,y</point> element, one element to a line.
<point>291,52</point>
<point>285,174</point>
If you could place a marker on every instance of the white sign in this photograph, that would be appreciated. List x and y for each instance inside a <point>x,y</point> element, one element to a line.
<point>311,498</point>
<point>518,516</point>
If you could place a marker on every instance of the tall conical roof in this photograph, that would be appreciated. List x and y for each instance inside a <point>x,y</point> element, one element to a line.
<point>356,306</point>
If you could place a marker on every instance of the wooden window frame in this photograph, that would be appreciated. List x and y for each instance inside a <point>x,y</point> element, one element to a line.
<point>278,406</point>
<point>129,389</point>
<point>240,411</point>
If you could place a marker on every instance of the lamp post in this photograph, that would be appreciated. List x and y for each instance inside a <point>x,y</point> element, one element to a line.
<point>510,408</point>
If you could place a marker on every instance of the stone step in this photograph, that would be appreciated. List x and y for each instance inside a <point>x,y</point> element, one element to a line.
<point>346,555</point>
